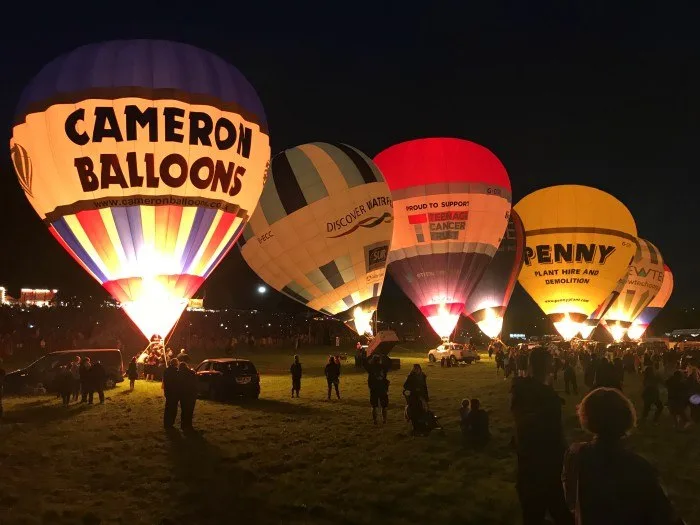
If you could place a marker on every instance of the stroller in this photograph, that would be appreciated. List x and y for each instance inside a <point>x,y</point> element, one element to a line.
<point>418,413</point>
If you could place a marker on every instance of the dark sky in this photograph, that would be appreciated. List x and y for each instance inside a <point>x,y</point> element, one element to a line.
<point>604,95</point>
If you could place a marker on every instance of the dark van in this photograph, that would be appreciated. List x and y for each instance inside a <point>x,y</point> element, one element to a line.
<point>43,371</point>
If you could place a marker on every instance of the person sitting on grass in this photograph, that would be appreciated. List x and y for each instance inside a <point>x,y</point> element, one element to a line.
<point>476,425</point>
<point>463,413</point>
<point>604,483</point>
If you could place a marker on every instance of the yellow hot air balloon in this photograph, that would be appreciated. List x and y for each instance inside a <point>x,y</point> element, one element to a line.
<point>594,319</point>
<point>646,275</point>
<point>322,232</point>
<point>144,158</point>
<point>579,242</point>
<point>640,324</point>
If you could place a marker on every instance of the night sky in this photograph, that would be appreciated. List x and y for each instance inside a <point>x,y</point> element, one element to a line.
<point>604,96</point>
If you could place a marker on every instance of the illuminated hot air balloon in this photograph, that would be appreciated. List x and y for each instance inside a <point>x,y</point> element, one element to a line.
<point>144,159</point>
<point>641,323</point>
<point>487,303</point>
<point>451,204</point>
<point>579,242</point>
<point>594,319</point>
<point>322,232</point>
<point>646,275</point>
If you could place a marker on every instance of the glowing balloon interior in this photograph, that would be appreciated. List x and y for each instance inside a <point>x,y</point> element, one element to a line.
<point>644,281</point>
<point>144,159</point>
<point>322,232</point>
<point>579,242</point>
<point>451,203</point>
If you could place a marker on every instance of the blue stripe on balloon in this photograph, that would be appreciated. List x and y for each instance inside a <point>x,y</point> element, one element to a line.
<point>154,64</point>
<point>203,219</point>
<point>121,221</point>
<point>66,234</point>
<point>226,249</point>
<point>133,214</point>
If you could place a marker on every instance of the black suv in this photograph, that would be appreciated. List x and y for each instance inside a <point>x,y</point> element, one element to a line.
<point>225,378</point>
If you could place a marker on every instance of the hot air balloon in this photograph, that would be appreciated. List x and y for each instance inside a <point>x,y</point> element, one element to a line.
<point>322,232</point>
<point>144,158</point>
<point>646,275</point>
<point>451,204</point>
<point>594,319</point>
<point>487,303</point>
<point>641,323</point>
<point>579,242</point>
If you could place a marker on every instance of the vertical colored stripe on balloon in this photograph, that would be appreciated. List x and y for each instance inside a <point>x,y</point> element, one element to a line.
<point>77,229</point>
<point>188,215</point>
<point>172,228</point>
<point>133,214</point>
<point>287,185</point>
<point>115,241</point>
<point>161,229</point>
<point>94,228</point>
<point>307,173</point>
<point>216,242</point>
<point>237,228</point>
<point>361,164</point>
<point>196,262</point>
<point>121,223</point>
<point>148,227</point>
<point>200,227</point>
<point>64,231</point>
<point>348,169</point>
<point>70,251</point>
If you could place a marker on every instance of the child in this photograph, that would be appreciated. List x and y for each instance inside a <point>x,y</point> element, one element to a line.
<point>133,373</point>
<point>463,414</point>
<point>295,370</point>
<point>476,431</point>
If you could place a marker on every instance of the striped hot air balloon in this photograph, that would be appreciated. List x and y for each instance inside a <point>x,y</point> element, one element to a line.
<point>322,232</point>
<point>646,275</point>
<point>144,159</point>
<point>487,303</point>
<point>641,323</point>
<point>594,319</point>
<point>452,201</point>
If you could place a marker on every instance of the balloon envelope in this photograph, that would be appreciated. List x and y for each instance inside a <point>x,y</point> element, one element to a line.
<point>487,303</point>
<point>594,319</point>
<point>579,242</point>
<point>641,323</point>
<point>646,275</point>
<point>322,232</point>
<point>451,203</point>
<point>144,159</point>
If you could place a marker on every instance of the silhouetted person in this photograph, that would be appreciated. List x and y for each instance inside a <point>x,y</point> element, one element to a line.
<point>171,389</point>
<point>678,398</point>
<point>476,425</point>
<point>75,375</point>
<point>463,414</point>
<point>332,372</point>
<point>606,375</point>
<point>64,384</point>
<point>377,369</point>
<point>183,356</point>
<point>605,484</point>
<point>132,373</point>
<point>540,445</point>
<point>2,382</point>
<point>188,395</point>
<point>97,377</point>
<point>83,372</point>
<point>295,370</point>
<point>570,383</point>
<point>650,393</point>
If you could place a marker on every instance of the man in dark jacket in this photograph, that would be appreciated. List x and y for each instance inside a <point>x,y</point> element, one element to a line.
<point>377,369</point>
<point>83,372</point>
<point>97,377</point>
<point>188,395</point>
<point>171,390</point>
<point>295,370</point>
<point>540,444</point>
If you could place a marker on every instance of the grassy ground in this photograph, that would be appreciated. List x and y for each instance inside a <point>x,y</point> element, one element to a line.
<point>288,461</point>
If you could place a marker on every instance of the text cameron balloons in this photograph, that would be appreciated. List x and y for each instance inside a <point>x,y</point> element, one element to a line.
<point>641,323</point>
<point>451,203</point>
<point>487,303</point>
<point>579,241</point>
<point>646,275</point>
<point>144,158</point>
<point>322,232</point>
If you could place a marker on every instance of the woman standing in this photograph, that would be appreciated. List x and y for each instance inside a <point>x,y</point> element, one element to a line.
<point>132,373</point>
<point>416,386</point>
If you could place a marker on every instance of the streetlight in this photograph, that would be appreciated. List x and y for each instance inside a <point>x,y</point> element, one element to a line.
<point>262,289</point>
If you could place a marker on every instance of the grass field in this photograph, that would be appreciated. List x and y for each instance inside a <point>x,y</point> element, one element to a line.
<point>282,460</point>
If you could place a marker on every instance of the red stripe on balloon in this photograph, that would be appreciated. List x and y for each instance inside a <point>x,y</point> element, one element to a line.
<point>94,228</point>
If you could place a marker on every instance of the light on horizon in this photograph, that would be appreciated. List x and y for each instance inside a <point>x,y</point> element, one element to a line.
<point>262,289</point>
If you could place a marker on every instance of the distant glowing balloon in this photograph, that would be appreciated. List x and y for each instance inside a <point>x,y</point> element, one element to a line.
<point>451,200</point>
<point>322,232</point>
<point>487,303</point>
<point>594,319</point>
<point>579,242</point>
<point>144,159</point>
<point>641,323</point>
<point>646,276</point>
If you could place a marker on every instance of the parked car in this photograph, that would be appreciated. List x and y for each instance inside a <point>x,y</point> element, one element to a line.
<point>455,352</point>
<point>43,371</point>
<point>226,377</point>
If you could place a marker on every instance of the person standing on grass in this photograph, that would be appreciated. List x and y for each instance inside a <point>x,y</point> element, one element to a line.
<point>97,379</point>
<point>539,444</point>
<point>64,384</point>
<point>75,377</point>
<point>604,483</point>
<point>332,372</point>
<point>678,399</point>
<point>171,390</point>
<point>377,369</point>
<point>570,384</point>
<point>188,395</point>
<point>2,381</point>
<point>132,373</point>
<point>651,394</point>
<point>83,372</point>
<point>295,370</point>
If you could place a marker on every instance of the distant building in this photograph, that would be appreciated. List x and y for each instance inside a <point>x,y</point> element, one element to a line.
<point>37,297</point>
